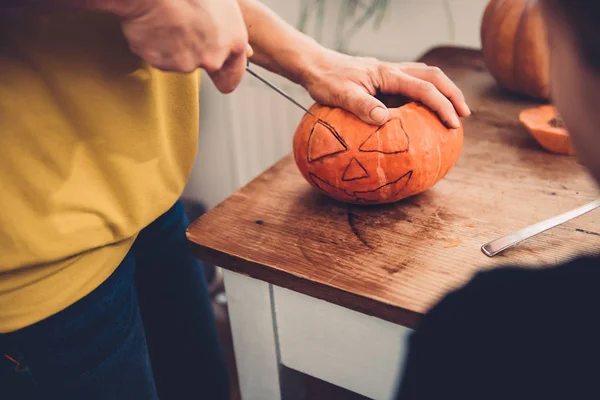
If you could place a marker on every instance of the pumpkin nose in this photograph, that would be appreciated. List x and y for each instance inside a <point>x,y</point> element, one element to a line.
<point>354,171</point>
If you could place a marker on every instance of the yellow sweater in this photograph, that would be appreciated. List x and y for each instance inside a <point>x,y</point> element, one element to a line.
<point>94,145</point>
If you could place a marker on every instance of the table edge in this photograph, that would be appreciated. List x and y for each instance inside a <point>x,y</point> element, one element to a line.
<point>322,291</point>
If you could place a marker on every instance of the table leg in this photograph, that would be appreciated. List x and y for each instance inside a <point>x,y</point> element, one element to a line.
<point>254,336</point>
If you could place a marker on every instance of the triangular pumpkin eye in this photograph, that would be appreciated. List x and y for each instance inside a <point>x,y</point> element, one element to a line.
<point>324,141</point>
<point>354,171</point>
<point>390,138</point>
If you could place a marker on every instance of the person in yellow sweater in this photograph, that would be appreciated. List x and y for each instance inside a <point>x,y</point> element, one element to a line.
<point>99,298</point>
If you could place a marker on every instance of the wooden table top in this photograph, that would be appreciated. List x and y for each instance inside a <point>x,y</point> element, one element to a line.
<point>395,261</point>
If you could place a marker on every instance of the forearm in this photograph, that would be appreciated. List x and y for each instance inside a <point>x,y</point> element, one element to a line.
<point>278,46</point>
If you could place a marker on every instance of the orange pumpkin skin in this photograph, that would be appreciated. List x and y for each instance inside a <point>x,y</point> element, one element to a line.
<point>355,162</point>
<point>541,124</point>
<point>515,48</point>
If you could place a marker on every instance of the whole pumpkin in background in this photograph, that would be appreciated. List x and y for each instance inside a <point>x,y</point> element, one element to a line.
<point>355,162</point>
<point>515,50</point>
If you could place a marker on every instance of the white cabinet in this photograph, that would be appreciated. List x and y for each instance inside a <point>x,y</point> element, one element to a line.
<point>244,132</point>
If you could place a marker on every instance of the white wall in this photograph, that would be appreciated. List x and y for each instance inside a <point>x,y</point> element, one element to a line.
<point>243,133</point>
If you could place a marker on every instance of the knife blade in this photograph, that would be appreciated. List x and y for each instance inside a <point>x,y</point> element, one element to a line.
<point>275,88</point>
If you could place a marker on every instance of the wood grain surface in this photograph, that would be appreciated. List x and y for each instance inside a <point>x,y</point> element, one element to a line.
<point>395,261</point>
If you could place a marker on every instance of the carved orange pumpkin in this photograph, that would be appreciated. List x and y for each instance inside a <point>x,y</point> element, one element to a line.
<point>515,48</point>
<point>354,162</point>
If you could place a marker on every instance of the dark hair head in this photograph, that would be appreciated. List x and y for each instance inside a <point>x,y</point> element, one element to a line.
<point>583,17</point>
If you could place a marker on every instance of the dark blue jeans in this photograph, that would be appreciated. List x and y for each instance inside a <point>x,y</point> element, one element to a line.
<point>148,332</point>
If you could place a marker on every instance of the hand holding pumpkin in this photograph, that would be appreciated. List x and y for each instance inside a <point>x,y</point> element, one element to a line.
<point>351,83</point>
<point>339,80</point>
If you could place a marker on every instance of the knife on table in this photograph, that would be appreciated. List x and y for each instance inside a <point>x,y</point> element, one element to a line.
<point>499,245</point>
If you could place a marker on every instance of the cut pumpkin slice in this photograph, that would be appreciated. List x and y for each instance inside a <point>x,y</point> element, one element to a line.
<point>546,127</point>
